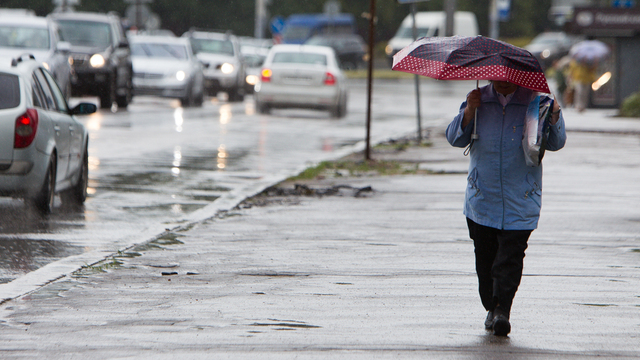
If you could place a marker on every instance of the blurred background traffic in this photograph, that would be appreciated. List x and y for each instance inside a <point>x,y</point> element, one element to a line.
<point>87,44</point>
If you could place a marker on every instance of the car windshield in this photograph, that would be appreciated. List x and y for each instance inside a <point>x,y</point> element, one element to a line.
<point>300,58</point>
<point>24,37</point>
<point>155,50</point>
<point>86,33</point>
<point>319,40</point>
<point>547,39</point>
<point>407,32</point>
<point>212,46</point>
<point>9,91</point>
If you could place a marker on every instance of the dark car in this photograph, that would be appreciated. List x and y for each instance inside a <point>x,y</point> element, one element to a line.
<point>550,46</point>
<point>350,48</point>
<point>101,56</point>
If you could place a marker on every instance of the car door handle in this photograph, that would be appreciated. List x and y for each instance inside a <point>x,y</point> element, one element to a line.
<point>71,129</point>
<point>56,128</point>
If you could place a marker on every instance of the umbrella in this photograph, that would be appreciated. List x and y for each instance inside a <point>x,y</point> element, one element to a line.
<point>471,58</point>
<point>589,51</point>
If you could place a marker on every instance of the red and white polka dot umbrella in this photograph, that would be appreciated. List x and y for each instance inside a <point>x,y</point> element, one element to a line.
<point>471,58</point>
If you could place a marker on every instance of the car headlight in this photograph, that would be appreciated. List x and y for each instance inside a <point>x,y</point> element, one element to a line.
<point>545,53</point>
<point>46,66</point>
<point>251,79</point>
<point>388,50</point>
<point>97,61</point>
<point>181,75</point>
<point>226,68</point>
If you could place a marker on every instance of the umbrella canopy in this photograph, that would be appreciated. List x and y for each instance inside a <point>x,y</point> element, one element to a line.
<point>589,51</point>
<point>471,58</point>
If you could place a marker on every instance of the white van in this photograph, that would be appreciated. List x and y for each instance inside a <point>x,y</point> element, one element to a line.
<point>431,23</point>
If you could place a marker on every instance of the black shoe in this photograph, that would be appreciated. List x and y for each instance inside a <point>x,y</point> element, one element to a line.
<point>501,326</point>
<point>488,322</point>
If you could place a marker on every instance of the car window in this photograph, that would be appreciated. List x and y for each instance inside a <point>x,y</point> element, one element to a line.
<point>299,58</point>
<point>86,33</point>
<point>212,46</point>
<point>407,32</point>
<point>9,91</point>
<point>61,103</point>
<point>154,50</point>
<point>41,82</point>
<point>24,37</point>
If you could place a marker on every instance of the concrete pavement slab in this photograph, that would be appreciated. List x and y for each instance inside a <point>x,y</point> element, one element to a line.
<point>385,276</point>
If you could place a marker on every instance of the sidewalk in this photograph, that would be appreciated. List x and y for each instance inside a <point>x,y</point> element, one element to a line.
<point>385,276</point>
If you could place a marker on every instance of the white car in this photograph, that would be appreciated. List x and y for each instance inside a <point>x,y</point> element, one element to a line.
<point>38,36</point>
<point>165,66</point>
<point>43,147</point>
<point>302,76</point>
<point>224,68</point>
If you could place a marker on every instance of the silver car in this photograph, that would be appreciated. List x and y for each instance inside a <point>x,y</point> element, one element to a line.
<point>38,36</point>
<point>302,76</point>
<point>165,66</point>
<point>43,147</point>
<point>224,68</point>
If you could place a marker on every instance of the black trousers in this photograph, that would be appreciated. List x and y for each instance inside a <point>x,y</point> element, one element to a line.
<point>499,263</point>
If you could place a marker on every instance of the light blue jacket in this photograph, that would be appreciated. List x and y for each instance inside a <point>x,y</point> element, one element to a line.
<point>502,191</point>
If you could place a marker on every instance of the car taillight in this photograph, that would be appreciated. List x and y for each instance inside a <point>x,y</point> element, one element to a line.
<point>329,79</point>
<point>26,127</point>
<point>266,75</point>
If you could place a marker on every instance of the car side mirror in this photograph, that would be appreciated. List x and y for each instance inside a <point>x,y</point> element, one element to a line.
<point>63,47</point>
<point>84,109</point>
<point>123,45</point>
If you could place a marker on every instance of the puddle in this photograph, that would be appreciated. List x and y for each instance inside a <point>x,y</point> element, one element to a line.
<point>20,256</point>
<point>163,209</point>
<point>53,290</point>
<point>274,274</point>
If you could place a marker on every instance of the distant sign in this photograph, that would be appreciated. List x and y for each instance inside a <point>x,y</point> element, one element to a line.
<point>504,9</point>
<point>626,4</point>
<point>276,25</point>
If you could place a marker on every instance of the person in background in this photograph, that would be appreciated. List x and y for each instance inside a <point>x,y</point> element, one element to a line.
<point>503,194</point>
<point>582,75</point>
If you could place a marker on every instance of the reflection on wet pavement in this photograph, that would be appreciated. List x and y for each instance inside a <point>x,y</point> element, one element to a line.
<point>20,256</point>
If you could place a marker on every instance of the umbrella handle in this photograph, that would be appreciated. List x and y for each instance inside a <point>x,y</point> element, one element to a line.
<point>474,136</point>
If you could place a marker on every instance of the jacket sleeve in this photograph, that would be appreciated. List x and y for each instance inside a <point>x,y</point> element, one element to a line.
<point>557,135</point>
<point>456,135</point>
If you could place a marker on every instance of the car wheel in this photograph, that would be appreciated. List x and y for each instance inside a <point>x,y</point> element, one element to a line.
<point>43,201</point>
<point>262,108</point>
<point>77,195</point>
<point>236,94</point>
<point>199,99</point>
<point>188,99</point>
<point>108,94</point>
<point>340,110</point>
<point>124,100</point>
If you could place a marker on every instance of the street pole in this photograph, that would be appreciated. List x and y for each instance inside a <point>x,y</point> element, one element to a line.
<point>416,77</point>
<point>258,31</point>
<point>372,27</point>
<point>494,26</point>
<point>450,10</point>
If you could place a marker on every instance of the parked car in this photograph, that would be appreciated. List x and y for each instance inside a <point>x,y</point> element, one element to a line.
<point>254,52</point>
<point>550,46</point>
<point>101,56</point>
<point>38,36</point>
<point>350,48</point>
<point>224,68</point>
<point>166,66</point>
<point>43,147</point>
<point>302,76</point>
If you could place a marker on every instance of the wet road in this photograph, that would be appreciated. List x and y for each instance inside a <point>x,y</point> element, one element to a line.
<point>157,165</point>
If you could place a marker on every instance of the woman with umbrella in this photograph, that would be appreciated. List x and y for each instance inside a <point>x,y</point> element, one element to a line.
<point>582,69</point>
<point>503,194</point>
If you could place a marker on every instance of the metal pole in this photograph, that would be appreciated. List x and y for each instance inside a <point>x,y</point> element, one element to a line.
<point>372,27</point>
<point>494,26</point>
<point>417,77</point>
<point>258,32</point>
<point>450,10</point>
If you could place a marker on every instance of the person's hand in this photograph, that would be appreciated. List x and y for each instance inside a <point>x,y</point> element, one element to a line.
<point>474,101</point>
<point>555,112</point>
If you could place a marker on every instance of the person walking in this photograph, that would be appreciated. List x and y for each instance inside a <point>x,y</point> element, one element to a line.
<point>503,194</point>
<point>581,76</point>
